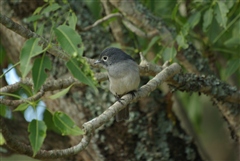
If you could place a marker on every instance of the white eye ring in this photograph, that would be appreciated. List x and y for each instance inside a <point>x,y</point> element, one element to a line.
<point>104,58</point>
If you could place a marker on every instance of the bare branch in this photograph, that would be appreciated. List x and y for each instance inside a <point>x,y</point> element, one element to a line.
<point>161,77</point>
<point>208,85</point>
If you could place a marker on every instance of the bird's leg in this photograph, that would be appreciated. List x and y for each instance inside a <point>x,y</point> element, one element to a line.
<point>119,99</point>
<point>132,93</point>
<point>122,114</point>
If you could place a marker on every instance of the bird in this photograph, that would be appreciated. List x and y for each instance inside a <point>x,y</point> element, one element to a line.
<point>123,75</point>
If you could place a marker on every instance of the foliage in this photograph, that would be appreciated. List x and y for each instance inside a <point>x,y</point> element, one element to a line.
<point>33,58</point>
<point>212,26</point>
<point>37,130</point>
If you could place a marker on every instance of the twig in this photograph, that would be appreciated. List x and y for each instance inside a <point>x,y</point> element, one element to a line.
<point>24,32</point>
<point>15,103</point>
<point>102,20</point>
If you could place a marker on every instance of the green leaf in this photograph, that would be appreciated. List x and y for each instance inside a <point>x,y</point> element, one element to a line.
<point>194,19</point>
<point>38,10</point>
<point>48,119</point>
<point>152,42</point>
<point>232,66</point>
<point>3,110</point>
<point>2,54</point>
<point>27,89</point>
<point>72,20</point>
<point>213,31</point>
<point>69,40</point>
<point>175,11</point>
<point>185,29</point>
<point>221,11</point>
<point>181,41</point>
<point>76,71</point>
<point>10,94</point>
<point>95,8</point>
<point>38,71</point>
<point>40,29</point>
<point>207,18</point>
<point>33,18</point>
<point>2,140</point>
<point>169,54</point>
<point>51,8</point>
<point>37,130</point>
<point>29,50</point>
<point>236,27</point>
<point>65,124</point>
<point>230,4</point>
<point>232,42</point>
<point>22,107</point>
<point>61,93</point>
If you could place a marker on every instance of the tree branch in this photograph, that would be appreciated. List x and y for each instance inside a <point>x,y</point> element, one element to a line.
<point>161,77</point>
<point>22,148</point>
<point>24,32</point>
<point>92,125</point>
<point>185,82</point>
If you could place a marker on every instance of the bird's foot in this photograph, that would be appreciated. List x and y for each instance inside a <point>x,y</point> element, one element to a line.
<point>132,93</point>
<point>119,99</point>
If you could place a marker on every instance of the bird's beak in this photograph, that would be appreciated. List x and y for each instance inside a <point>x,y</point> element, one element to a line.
<point>97,62</point>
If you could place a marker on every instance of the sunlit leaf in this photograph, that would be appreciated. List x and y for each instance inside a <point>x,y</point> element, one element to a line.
<point>221,11</point>
<point>207,18</point>
<point>29,50</point>
<point>2,140</point>
<point>69,40</point>
<point>61,93</point>
<point>65,124</point>
<point>37,130</point>
<point>38,71</point>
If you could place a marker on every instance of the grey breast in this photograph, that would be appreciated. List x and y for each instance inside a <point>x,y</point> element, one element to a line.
<point>124,77</point>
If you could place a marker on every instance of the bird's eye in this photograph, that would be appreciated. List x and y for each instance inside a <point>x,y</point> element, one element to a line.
<point>104,58</point>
